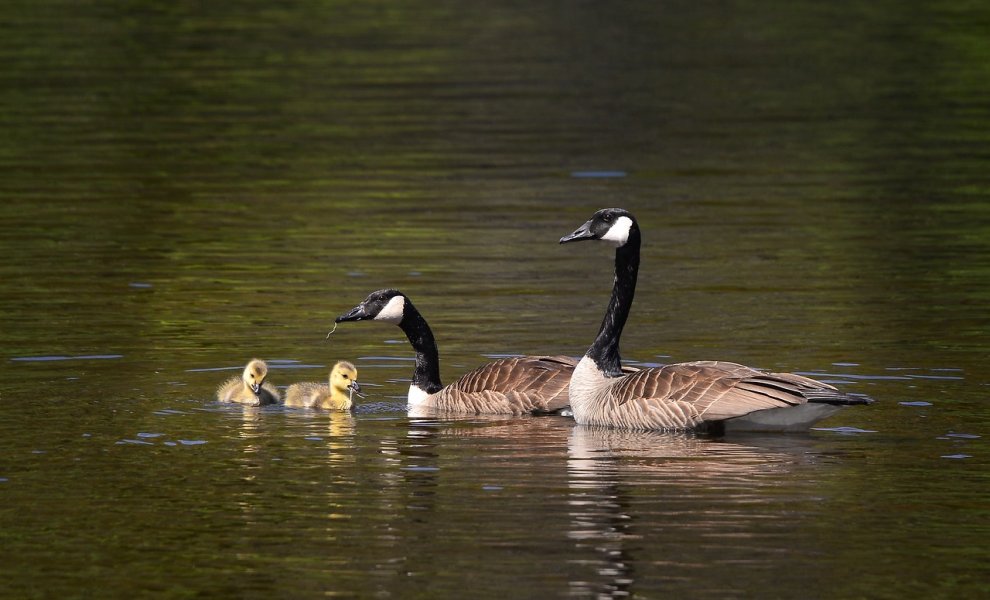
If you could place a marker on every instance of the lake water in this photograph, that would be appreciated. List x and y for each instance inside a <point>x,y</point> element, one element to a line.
<point>187,186</point>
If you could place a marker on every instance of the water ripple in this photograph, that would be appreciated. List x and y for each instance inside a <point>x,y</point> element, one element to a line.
<point>61,357</point>
<point>598,174</point>
<point>844,430</point>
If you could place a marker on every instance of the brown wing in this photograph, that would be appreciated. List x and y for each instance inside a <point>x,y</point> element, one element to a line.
<point>518,385</point>
<point>714,391</point>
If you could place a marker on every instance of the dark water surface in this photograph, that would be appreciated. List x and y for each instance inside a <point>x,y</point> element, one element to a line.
<point>185,186</point>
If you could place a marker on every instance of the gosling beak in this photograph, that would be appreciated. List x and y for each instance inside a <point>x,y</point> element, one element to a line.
<point>255,387</point>
<point>581,233</point>
<point>355,389</point>
<point>358,313</point>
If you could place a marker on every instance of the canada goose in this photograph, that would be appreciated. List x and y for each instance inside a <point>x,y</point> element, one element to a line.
<point>335,396</point>
<point>704,395</point>
<point>250,388</point>
<point>515,386</point>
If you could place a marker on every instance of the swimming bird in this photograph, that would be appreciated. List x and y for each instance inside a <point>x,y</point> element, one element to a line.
<point>250,388</point>
<point>705,395</point>
<point>519,385</point>
<point>337,395</point>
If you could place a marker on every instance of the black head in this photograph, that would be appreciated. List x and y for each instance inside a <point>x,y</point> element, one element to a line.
<point>612,225</point>
<point>384,305</point>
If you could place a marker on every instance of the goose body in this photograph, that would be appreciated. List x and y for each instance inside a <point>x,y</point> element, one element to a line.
<point>516,386</point>
<point>704,395</point>
<point>250,388</point>
<point>335,395</point>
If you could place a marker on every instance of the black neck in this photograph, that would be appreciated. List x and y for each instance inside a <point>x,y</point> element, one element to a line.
<point>426,376</point>
<point>605,349</point>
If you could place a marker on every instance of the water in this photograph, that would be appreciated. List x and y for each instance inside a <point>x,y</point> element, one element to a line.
<point>184,188</point>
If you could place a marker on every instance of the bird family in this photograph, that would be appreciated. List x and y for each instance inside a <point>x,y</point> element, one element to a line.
<point>704,396</point>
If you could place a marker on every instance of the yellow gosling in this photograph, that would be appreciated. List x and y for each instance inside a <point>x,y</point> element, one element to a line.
<point>250,388</point>
<point>335,396</point>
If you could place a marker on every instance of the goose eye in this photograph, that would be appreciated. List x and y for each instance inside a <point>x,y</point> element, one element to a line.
<point>346,376</point>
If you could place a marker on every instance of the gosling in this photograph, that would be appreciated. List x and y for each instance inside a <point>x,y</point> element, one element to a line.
<point>250,388</point>
<point>338,395</point>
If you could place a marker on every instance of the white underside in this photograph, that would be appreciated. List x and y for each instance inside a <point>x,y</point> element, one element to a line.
<point>587,383</point>
<point>417,397</point>
<point>790,418</point>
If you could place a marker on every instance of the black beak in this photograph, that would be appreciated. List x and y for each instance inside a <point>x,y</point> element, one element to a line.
<point>581,233</point>
<point>356,389</point>
<point>255,387</point>
<point>358,313</point>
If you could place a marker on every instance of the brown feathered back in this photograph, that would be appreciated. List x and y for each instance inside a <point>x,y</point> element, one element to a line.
<point>518,385</point>
<point>689,395</point>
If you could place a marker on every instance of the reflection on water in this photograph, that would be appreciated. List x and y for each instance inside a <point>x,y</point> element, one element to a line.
<point>703,488</point>
<point>184,187</point>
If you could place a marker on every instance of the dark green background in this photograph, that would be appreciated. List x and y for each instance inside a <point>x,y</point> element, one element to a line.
<point>186,185</point>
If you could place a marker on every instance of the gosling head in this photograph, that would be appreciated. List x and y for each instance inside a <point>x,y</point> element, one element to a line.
<point>254,374</point>
<point>343,378</point>
<point>384,305</point>
<point>615,226</point>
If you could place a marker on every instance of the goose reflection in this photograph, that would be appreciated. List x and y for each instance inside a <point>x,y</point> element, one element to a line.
<point>249,429</point>
<point>337,431</point>
<point>702,485</point>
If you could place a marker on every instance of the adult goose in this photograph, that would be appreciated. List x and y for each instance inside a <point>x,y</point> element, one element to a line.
<point>250,388</point>
<point>520,385</point>
<point>706,395</point>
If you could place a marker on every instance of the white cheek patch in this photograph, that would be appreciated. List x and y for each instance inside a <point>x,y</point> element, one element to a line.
<point>392,312</point>
<point>618,234</point>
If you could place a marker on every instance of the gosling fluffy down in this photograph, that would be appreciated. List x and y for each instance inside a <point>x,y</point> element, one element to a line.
<point>250,388</point>
<point>338,395</point>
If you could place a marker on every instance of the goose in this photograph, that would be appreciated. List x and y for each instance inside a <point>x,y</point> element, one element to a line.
<point>337,395</point>
<point>250,388</point>
<point>710,396</point>
<point>516,386</point>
